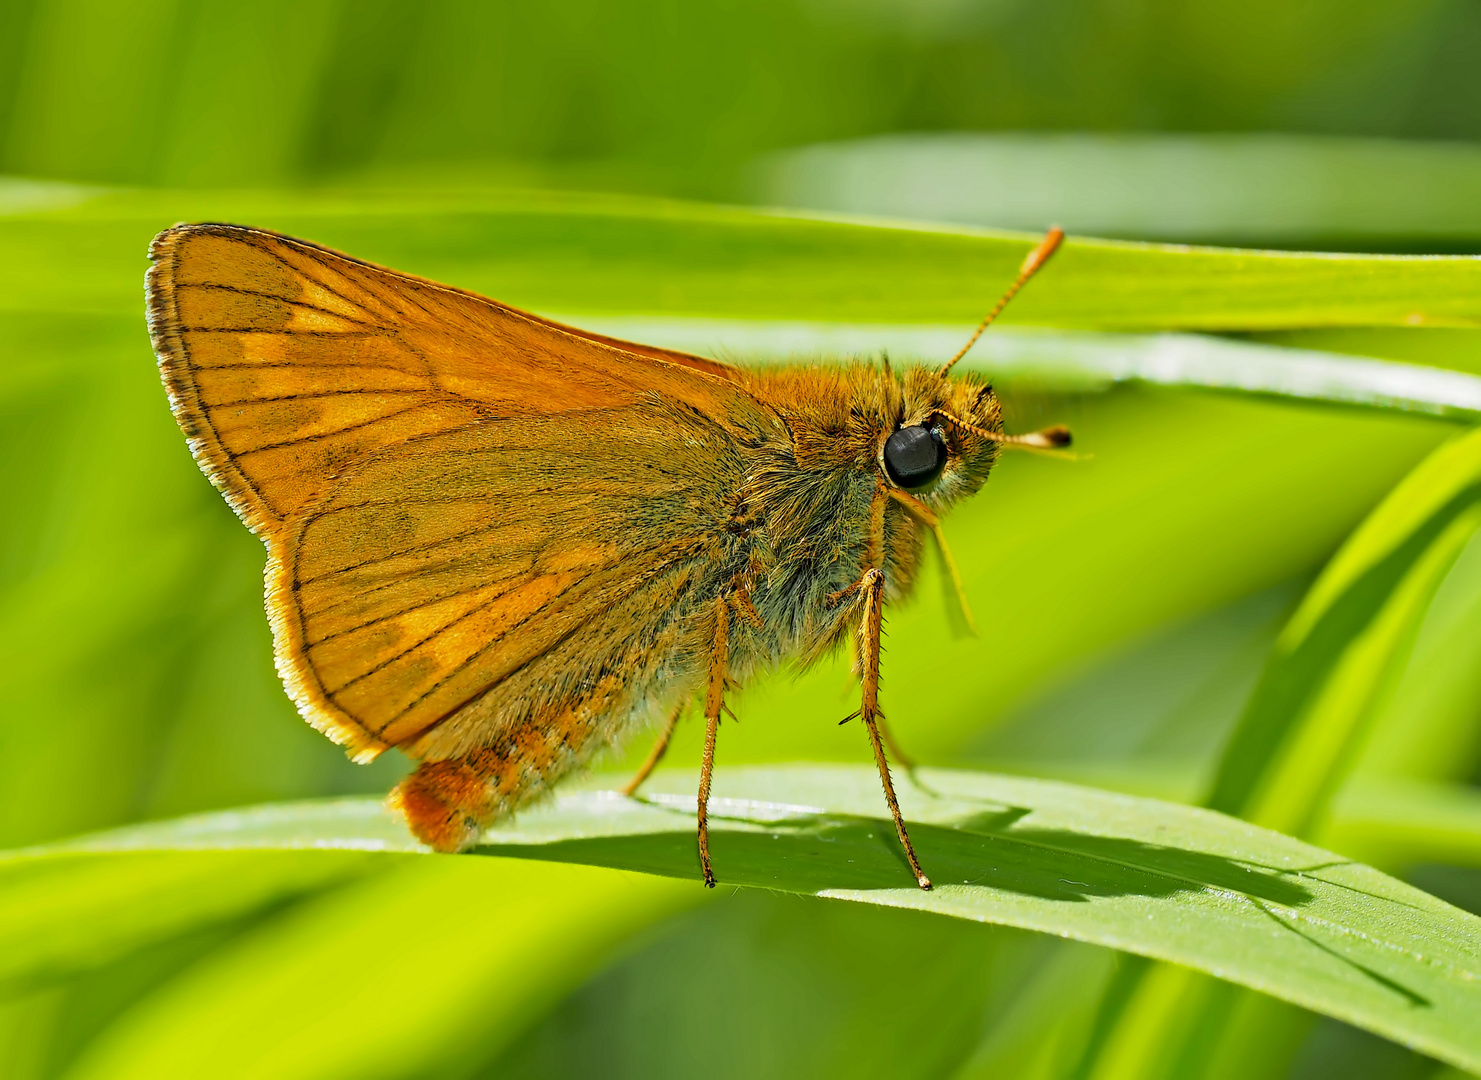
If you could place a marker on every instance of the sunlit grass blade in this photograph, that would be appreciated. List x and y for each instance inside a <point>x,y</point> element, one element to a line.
<point>65,916</point>
<point>627,255</point>
<point>1429,728</point>
<point>423,970</point>
<point>1346,644</point>
<point>1079,361</point>
<point>1398,823</point>
<point>1165,881</point>
<point>1342,651</point>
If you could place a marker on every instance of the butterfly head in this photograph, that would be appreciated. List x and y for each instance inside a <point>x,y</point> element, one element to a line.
<point>942,445</point>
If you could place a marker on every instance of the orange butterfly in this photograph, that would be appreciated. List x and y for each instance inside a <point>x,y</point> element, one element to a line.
<point>502,544</point>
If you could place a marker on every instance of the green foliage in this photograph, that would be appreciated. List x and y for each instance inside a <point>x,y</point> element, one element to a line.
<point>612,254</point>
<point>656,95</point>
<point>1349,639</point>
<point>1158,879</point>
<point>1163,614</point>
<point>1293,191</point>
<point>1184,504</point>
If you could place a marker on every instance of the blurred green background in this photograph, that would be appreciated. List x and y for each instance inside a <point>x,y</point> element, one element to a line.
<point>1134,594</point>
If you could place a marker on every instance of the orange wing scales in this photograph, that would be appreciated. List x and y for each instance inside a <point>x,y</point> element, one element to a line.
<point>445,484</point>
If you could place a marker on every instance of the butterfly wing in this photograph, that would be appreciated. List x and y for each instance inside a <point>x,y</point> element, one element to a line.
<point>456,495</point>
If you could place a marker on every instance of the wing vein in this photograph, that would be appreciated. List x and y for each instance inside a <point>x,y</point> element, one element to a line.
<point>337,431</point>
<point>325,394</point>
<point>292,332</point>
<point>409,608</point>
<point>238,290</point>
<point>560,640</point>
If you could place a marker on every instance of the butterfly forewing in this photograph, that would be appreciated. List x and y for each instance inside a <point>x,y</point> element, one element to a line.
<point>455,495</point>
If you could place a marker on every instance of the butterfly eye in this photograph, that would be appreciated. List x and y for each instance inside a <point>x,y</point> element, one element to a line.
<point>914,456</point>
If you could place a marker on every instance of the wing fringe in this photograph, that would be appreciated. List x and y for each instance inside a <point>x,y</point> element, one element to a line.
<point>165,333</point>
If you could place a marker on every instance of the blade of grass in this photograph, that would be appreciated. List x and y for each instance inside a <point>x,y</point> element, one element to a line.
<point>423,970</point>
<point>626,255</point>
<point>1317,753</point>
<point>1171,882</point>
<point>1344,648</point>
<point>1349,635</point>
<point>1430,726</point>
<point>1265,187</point>
<point>1079,361</point>
<point>1047,1019</point>
<point>66,916</point>
<point>1397,823</point>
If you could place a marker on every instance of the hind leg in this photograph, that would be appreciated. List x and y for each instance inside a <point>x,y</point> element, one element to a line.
<point>656,754</point>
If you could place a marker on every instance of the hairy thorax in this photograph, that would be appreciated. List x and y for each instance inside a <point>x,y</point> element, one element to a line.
<point>808,500</point>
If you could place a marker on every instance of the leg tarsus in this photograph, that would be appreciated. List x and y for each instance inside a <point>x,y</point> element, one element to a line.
<point>894,804</point>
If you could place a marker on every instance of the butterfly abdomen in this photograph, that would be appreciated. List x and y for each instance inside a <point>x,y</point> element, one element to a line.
<point>448,802</point>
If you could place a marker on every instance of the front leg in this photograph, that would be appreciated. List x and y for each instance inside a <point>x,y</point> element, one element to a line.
<point>871,588</point>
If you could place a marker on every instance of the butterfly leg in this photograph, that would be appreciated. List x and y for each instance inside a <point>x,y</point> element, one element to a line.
<point>874,556</point>
<point>871,585</point>
<point>656,754</point>
<point>714,702</point>
<point>856,668</point>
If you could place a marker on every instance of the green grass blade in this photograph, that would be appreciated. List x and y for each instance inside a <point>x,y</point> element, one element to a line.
<point>1430,725</point>
<point>66,916</point>
<point>782,284</point>
<point>422,970</point>
<point>1175,883</point>
<point>1341,652</point>
<point>1397,823</point>
<point>624,255</point>
<point>1079,361</point>
<point>1347,642</point>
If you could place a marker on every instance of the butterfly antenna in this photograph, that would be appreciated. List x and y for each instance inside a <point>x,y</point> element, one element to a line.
<point>1036,258</point>
<point>1049,438</point>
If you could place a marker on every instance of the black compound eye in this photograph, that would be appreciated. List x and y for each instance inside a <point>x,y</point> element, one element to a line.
<point>914,456</point>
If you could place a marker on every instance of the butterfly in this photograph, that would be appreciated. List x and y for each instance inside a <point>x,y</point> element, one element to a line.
<point>502,544</point>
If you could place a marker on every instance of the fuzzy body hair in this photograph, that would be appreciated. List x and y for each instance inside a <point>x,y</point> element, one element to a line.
<point>786,515</point>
